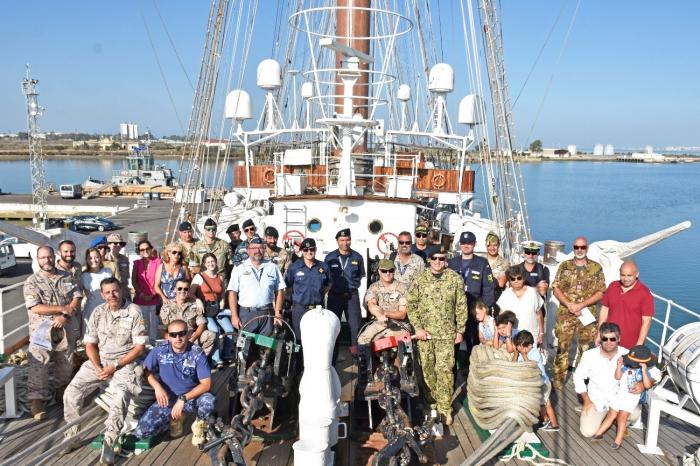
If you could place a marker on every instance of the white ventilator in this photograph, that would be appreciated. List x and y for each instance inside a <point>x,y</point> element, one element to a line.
<point>319,390</point>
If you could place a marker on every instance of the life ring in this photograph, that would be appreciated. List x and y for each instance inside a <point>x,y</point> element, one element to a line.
<point>385,240</point>
<point>124,173</point>
<point>439,180</point>
<point>293,235</point>
<point>269,176</point>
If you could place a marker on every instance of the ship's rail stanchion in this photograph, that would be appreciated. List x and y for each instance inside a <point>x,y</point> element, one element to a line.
<point>666,327</point>
<point>22,331</point>
<point>260,383</point>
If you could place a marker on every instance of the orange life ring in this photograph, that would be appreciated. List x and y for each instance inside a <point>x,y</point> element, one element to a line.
<point>269,176</point>
<point>384,240</point>
<point>439,180</point>
<point>297,234</point>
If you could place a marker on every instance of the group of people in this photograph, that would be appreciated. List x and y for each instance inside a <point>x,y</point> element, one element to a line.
<point>199,289</point>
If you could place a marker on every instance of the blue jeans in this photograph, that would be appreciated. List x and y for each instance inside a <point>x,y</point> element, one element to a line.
<point>222,349</point>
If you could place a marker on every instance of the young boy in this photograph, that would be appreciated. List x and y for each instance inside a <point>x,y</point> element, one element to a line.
<point>632,368</point>
<point>525,351</point>
<point>505,331</point>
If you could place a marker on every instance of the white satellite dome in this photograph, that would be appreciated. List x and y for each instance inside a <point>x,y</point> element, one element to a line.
<point>307,90</point>
<point>404,93</point>
<point>469,110</point>
<point>238,105</point>
<point>441,78</point>
<point>269,74</point>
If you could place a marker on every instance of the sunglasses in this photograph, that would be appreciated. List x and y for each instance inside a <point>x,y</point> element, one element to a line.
<point>386,271</point>
<point>531,253</point>
<point>441,258</point>
<point>144,249</point>
<point>183,288</point>
<point>405,243</point>
<point>103,246</point>
<point>309,249</point>
<point>210,228</point>
<point>249,229</point>
<point>580,248</point>
<point>516,279</point>
<point>180,334</point>
<point>119,244</point>
<point>613,339</point>
<point>176,253</point>
<point>421,235</point>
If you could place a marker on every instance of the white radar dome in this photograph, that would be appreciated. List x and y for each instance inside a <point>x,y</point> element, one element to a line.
<point>269,74</point>
<point>404,93</point>
<point>238,105</point>
<point>307,90</point>
<point>469,110</point>
<point>441,78</point>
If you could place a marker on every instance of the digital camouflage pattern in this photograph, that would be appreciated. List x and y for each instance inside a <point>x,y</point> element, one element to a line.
<point>194,316</point>
<point>157,419</point>
<point>577,284</point>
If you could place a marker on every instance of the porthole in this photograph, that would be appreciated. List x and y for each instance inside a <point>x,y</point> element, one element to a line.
<point>314,225</point>
<point>375,226</point>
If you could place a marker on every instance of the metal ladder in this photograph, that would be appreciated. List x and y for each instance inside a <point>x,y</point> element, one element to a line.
<point>298,223</point>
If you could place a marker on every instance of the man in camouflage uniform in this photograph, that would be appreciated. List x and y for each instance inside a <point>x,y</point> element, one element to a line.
<point>437,309</point>
<point>186,309</point>
<point>274,253</point>
<point>408,265</point>
<point>241,253</point>
<point>211,244</point>
<point>385,299</point>
<point>52,298</point>
<point>116,243</point>
<point>187,240</point>
<point>579,284</point>
<point>115,339</point>
<point>67,263</point>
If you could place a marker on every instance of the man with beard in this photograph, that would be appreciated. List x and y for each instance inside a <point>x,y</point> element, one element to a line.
<point>408,265</point>
<point>274,253</point>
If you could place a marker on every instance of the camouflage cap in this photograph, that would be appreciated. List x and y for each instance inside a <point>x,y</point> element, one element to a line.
<point>386,264</point>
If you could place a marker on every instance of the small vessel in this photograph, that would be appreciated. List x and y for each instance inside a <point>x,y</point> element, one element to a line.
<point>140,169</point>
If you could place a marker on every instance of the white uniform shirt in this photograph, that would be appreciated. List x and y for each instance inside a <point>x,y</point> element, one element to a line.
<point>256,287</point>
<point>600,372</point>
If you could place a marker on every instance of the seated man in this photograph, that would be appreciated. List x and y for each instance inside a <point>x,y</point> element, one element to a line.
<point>181,378</point>
<point>385,299</point>
<point>598,365</point>
<point>183,308</point>
<point>115,338</point>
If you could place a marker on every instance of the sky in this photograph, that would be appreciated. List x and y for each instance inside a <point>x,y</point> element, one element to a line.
<point>627,76</point>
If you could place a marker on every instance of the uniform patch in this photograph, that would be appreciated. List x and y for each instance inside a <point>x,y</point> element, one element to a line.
<point>300,273</point>
<point>320,270</point>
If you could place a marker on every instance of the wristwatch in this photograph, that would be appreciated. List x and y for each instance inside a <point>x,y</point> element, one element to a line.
<point>116,366</point>
<point>183,398</point>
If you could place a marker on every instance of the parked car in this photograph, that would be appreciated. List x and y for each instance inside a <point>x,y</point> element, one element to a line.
<point>89,223</point>
<point>21,249</point>
<point>7,257</point>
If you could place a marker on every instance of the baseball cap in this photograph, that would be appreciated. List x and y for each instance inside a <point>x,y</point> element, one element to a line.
<point>467,237</point>
<point>386,264</point>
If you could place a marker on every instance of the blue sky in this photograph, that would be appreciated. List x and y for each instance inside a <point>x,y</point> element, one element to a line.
<point>628,76</point>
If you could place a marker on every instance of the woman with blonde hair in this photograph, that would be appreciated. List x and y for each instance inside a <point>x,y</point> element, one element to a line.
<point>170,271</point>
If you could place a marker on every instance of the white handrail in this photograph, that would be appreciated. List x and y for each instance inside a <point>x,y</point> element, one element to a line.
<point>666,328</point>
<point>3,313</point>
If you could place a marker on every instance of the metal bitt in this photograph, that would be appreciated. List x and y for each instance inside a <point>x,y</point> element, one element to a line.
<point>36,155</point>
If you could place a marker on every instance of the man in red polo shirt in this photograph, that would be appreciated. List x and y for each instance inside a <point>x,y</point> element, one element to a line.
<point>628,303</point>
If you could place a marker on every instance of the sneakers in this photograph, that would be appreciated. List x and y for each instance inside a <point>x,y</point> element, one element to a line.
<point>107,454</point>
<point>595,438</point>
<point>73,442</point>
<point>548,427</point>
<point>38,410</point>
<point>615,446</point>
<point>199,430</point>
<point>177,427</point>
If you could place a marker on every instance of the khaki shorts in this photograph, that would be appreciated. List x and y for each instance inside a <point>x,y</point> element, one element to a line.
<point>546,391</point>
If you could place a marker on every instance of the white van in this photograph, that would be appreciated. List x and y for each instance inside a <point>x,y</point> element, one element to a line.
<point>70,191</point>
<point>7,257</point>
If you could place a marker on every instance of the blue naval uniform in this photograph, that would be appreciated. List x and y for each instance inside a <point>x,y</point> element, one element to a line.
<point>539,273</point>
<point>241,252</point>
<point>308,285</point>
<point>178,373</point>
<point>478,285</point>
<point>346,274</point>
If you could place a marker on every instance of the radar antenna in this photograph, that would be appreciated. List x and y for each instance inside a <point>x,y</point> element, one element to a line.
<point>36,154</point>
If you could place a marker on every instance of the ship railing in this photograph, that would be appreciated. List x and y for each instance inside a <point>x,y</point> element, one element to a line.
<point>681,315</point>
<point>17,334</point>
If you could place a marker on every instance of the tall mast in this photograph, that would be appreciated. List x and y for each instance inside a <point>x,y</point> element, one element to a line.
<point>36,155</point>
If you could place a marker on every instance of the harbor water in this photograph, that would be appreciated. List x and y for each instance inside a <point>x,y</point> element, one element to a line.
<point>600,200</point>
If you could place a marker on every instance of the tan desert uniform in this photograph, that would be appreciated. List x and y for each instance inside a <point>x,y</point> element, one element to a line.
<point>115,333</point>
<point>389,298</point>
<point>194,318</point>
<point>76,325</point>
<point>279,256</point>
<point>57,290</point>
<point>187,255</point>
<point>120,271</point>
<point>405,273</point>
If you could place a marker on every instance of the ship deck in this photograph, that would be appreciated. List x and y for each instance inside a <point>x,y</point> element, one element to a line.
<point>675,438</point>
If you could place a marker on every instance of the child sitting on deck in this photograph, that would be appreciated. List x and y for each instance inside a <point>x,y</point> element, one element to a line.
<point>487,327</point>
<point>525,351</point>
<point>505,331</point>
<point>632,368</point>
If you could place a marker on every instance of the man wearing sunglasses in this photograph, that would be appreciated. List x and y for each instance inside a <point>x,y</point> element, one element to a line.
<point>385,299</point>
<point>234,235</point>
<point>181,378</point>
<point>598,366</point>
<point>347,269</point>
<point>579,286</point>
<point>241,253</point>
<point>307,282</point>
<point>536,274</point>
<point>115,260</point>
<point>114,340</point>
<point>408,264</point>
<point>421,247</point>
<point>437,309</point>
<point>211,244</point>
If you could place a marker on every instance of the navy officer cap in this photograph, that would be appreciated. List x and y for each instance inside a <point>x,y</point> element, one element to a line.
<point>467,237</point>
<point>308,243</point>
<point>248,223</point>
<point>233,228</point>
<point>343,232</point>
<point>185,226</point>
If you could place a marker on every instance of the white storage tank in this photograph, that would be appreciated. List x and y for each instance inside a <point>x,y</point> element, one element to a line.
<point>572,150</point>
<point>609,150</point>
<point>469,110</point>
<point>598,149</point>
<point>441,78</point>
<point>269,74</point>
<point>238,105</point>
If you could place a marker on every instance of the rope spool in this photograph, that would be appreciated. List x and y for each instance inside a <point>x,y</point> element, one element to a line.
<point>439,180</point>
<point>269,176</point>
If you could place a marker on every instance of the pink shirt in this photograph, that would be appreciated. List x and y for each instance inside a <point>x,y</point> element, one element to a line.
<point>146,281</point>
